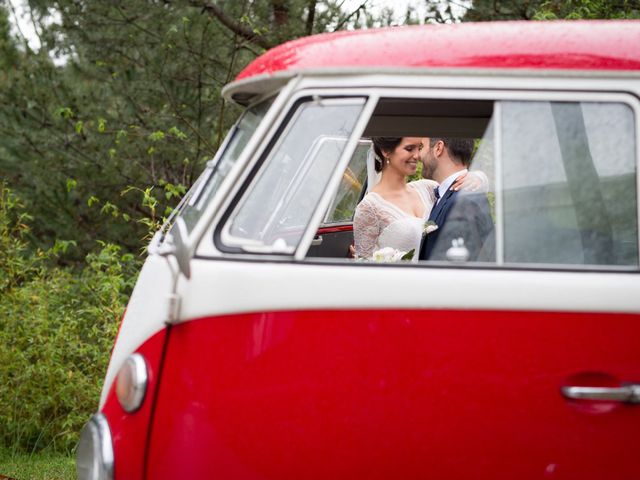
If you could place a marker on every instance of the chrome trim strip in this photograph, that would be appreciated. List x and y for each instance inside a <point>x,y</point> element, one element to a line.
<point>499,191</point>
<point>626,394</point>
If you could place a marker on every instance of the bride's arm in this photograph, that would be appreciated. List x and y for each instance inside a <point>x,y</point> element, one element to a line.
<point>366,230</point>
<point>476,181</point>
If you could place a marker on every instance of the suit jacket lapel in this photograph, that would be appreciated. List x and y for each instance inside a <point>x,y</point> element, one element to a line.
<point>437,215</point>
<point>438,211</point>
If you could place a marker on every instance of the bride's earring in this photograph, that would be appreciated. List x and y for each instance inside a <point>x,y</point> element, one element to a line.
<point>387,160</point>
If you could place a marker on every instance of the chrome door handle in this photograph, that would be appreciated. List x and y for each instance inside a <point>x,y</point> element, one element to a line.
<point>317,240</point>
<point>628,393</point>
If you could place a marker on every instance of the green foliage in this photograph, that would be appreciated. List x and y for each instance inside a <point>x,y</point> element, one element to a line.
<point>588,9</point>
<point>100,146</point>
<point>138,93</point>
<point>484,10</point>
<point>57,326</point>
<point>489,10</point>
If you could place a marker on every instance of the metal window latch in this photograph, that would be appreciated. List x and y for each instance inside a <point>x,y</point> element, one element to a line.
<point>627,393</point>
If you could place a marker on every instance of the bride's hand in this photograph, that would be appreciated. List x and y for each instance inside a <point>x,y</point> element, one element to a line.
<point>470,183</point>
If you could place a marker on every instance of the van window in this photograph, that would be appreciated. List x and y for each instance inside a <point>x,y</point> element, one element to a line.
<point>569,180</point>
<point>562,176</point>
<point>350,190</point>
<point>217,170</point>
<point>288,186</point>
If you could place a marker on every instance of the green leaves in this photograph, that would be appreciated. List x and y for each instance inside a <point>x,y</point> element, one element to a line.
<point>58,325</point>
<point>156,136</point>
<point>175,131</point>
<point>409,255</point>
<point>64,112</point>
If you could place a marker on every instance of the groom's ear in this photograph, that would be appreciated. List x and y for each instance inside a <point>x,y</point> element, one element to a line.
<point>439,148</point>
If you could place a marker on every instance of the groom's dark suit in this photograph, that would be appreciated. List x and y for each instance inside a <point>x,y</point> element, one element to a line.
<point>465,215</point>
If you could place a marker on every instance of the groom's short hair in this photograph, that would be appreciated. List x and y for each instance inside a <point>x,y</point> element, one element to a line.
<point>460,149</point>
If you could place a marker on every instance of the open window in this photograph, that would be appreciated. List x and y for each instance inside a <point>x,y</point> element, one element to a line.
<point>277,205</point>
<point>562,176</point>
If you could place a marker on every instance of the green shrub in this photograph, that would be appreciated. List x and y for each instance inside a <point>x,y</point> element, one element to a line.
<point>57,326</point>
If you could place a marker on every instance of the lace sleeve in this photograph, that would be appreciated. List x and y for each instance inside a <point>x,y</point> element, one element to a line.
<point>366,229</point>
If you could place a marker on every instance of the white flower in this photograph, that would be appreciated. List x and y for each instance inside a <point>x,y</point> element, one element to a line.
<point>429,227</point>
<point>390,254</point>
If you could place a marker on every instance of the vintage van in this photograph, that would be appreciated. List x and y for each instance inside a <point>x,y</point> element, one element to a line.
<point>255,347</point>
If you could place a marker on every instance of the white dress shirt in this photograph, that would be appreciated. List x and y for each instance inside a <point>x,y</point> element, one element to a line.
<point>444,186</point>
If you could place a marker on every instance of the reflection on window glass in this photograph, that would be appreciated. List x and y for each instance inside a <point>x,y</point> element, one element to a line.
<point>344,204</point>
<point>206,186</point>
<point>569,179</point>
<point>286,191</point>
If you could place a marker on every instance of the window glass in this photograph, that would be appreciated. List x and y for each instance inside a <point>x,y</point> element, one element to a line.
<point>353,180</point>
<point>206,186</point>
<point>559,188</point>
<point>569,180</point>
<point>287,189</point>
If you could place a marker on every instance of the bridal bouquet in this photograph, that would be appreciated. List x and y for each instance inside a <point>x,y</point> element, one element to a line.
<point>390,254</point>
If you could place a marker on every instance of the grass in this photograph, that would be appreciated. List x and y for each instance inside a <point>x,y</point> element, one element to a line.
<point>38,466</point>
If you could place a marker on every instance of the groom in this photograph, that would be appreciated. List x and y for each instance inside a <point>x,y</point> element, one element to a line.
<point>457,214</point>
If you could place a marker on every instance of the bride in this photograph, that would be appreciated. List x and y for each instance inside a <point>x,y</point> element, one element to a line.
<point>394,212</point>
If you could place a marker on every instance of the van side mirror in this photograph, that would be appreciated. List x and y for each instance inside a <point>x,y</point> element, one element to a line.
<point>174,245</point>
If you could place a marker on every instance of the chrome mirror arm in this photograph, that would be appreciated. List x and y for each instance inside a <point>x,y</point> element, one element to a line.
<point>173,245</point>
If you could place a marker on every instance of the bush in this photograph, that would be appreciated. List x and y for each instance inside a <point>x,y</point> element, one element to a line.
<point>58,326</point>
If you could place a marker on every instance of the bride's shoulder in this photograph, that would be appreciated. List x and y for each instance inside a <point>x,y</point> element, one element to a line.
<point>366,211</point>
<point>368,202</point>
<point>424,184</point>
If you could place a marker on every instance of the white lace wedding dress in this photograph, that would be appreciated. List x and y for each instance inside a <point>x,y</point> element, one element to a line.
<point>378,223</point>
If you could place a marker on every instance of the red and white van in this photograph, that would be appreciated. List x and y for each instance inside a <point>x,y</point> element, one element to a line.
<point>253,347</point>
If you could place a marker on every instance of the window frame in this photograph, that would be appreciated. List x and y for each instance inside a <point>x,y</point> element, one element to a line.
<point>325,219</point>
<point>545,93</point>
<point>223,240</point>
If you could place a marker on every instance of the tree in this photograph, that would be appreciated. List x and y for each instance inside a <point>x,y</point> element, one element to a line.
<point>491,10</point>
<point>588,9</point>
<point>102,145</point>
<point>484,10</point>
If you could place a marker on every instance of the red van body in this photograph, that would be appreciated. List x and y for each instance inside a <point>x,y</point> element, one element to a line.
<point>266,359</point>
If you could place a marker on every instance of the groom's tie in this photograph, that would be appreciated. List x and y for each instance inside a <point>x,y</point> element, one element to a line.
<point>436,192</point>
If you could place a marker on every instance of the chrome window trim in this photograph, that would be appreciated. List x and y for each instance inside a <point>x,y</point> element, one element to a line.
<point>254,246</point>
<point>499,188</point>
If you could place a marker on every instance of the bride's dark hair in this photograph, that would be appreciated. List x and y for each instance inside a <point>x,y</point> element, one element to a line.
<point>382,144</point>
